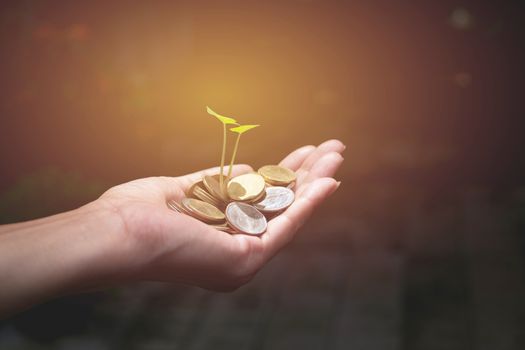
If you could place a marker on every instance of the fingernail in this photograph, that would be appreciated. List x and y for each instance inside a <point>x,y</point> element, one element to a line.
<point>333,189</point>
<point>338,183</point>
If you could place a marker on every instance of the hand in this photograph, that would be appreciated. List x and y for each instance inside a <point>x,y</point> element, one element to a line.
<point>129,234</point>
<point>173,247</point>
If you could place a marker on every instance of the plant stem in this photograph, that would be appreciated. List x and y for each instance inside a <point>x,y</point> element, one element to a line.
<point>221,180</point>
<point>233,156</point>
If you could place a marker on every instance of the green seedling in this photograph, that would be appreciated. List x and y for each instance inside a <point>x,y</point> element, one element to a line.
<point>225,121</point>
<point>239,130</point>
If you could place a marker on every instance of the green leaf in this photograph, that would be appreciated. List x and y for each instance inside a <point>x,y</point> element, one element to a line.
<point>243,128</point>
<point>223,119</point>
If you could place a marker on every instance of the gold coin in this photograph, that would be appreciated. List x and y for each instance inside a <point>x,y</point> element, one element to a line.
<point>277,175</point>
<point>246,187</point>
<point>212,184</point>
<point>177,207</point>
<point>172,205</point>
<point>259,198</point>
<point>191,190</point>
<point>225,227</point>
<point>201,194</point>
<point>202,210</point>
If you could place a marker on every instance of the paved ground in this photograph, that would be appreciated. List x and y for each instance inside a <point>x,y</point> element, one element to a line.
<point>444,277</point>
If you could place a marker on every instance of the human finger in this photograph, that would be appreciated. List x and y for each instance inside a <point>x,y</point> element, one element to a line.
<point>282,229</point>
<point>333,145</point>
<point>326,166</point>
<point>325,147</point>
<point>296,158</point>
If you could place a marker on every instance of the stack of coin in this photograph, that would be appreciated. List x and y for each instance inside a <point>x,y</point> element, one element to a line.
<point>243,203</point>
<point>197,190</point>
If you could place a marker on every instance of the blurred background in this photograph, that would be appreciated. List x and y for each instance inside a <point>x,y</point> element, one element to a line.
<point>423,246</point>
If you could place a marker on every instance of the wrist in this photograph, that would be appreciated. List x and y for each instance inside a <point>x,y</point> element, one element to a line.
<point>80,250</point>
<point>106,250</point>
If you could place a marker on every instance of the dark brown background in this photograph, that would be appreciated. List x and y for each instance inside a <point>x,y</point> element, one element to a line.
<point>421,248</point>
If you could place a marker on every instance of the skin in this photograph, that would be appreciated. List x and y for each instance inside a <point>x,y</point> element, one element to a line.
<point>129,234</point>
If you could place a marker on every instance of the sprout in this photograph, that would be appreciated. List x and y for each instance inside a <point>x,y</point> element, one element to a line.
<point>239,130</point>
<point>224,120</point>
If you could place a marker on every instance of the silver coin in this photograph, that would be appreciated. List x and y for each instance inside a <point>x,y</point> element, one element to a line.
<point>245,218</point>
<point>277,199</point>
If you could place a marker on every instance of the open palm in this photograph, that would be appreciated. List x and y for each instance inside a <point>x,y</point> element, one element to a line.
<point>173,247</point>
